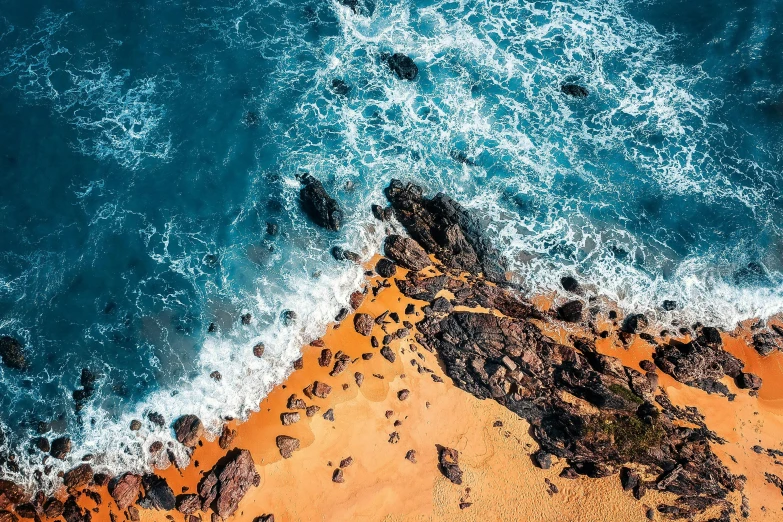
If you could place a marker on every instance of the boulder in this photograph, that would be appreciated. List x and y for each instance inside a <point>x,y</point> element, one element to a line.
<point>12,353</point>
<point>157,493</point>
<point>570,312</point>
<point>749,381</point>
<point>227,436</point>
<point>363,323</point>
<point>356,300</point>
<point>574,90</point>
<point>235,473</point>
<point>125,490</point>
<point>323,209</point>
<point>403,66</point>
<point>448,462</point>
<point>188,504</point>
<point>385,267</point>
<point>406,252</point>
<point>188,430</point>
<point>288,418</point>
<point>61,447</point>
<point>326,358</point>
<point>570,284</point>
<point>287,445</point>
<point>78,477</point>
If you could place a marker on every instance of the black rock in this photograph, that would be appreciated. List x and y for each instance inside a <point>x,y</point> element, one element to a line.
<point>542,459</point>
<point>570,284</point>
<point>12,353</point>
<point>342,314</point>
<point>385,267</point>
<point>340,87</point>
<point>669,305</point>
<point>403,66</point>
<point>323,209</point>
<point>572,89</point>
<point>157,494</point>
<point>570,311</point>
<point>711,335</point>
<point>360,7</point>
<point>635,322</point>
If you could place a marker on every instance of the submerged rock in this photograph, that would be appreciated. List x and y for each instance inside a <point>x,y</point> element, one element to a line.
<point>12,353</point>
<point>323,209</point>
<point>61,447</point>
<point>402,66</point>
<point>574,90</point>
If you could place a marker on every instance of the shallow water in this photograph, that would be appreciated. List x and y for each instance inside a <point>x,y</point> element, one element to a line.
<point>144,147</point>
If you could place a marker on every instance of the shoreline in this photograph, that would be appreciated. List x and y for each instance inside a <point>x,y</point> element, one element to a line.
<point>287,486</point>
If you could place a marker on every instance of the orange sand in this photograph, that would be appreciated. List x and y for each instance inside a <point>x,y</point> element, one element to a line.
<point>500,480</point>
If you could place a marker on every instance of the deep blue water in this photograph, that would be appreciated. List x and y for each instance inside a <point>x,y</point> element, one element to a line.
<point>144,146</point>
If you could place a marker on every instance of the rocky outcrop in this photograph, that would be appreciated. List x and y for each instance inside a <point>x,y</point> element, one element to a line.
<point>12,353</point>
<point>188,430</point>
<point>443,228</point>
<point>228,482</point>
<point>125,490</point>
<point>698,364</point>
<point>318,204</point>
<point>402,66</point>
<point>406,252</point>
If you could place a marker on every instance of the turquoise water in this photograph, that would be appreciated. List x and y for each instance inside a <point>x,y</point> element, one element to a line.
<point>145,146</point>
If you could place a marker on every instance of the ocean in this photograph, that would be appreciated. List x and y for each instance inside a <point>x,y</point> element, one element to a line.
<point>148,149</point>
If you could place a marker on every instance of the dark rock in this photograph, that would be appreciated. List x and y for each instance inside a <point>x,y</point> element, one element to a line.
<point>326,358</point>
<point>338,476</point>
<point>156,419</point>
<point>42,443</point>
<point>570,311</point>
<point>385,267</point>
<point>697,364</point>
<point>235,473</point>
<point>78,477</point>
<point>310,411</point>
<point>329,415</point>
<point>363,323</point>
<point>125,490</point>
<point>188,430</point>
<point>422,288</point>
<point>258,350</point>
<point>289,317</point>
<point>388,354</point>
<point>542,459</point>
<point>318,205</point>
<point>411,456</point>
<point>12,353</point>
<point>7,516</point>
<point>321,389</point>
<point>53,508</point>
<point>448,463</point>
<point>403,394</point>
<point>403,66</point>
<point>287,445</point>
<point>339,87</point>
<point>246,318</point>
<point>216,375</point>
<point>749,381</point>
<point>629,478</point>
<point>669,305</point>
<point>406,252</point>
<point>765,343</point>
<point>339,366</point>
<point>272,228</point>
<point>570,284</point>
<point>10,494</point>
<point>135,425</point>
<point>27,511</point>
<point>299,364</point>
<point>711,335</point>
<point>574,90</point>
<point>359,7</point>
<point>358,378</point>
<point>61,447</point>
<point>157,493</point>
<point>342,314</point>
<point>635,323</point>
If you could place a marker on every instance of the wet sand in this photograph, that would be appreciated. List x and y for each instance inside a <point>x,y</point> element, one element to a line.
<point>500,483</point>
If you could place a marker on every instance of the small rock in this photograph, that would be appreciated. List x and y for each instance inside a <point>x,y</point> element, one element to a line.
<point>226,437</point>
<point>299,364</point>
<point>135,425</point>
<point>295,403</point>
<point>326,358</point>
<point>78,477</point>
<point>394,437</point>
<point>321,389</point>
<point>448,460</point>
<point>385,268</point>
<point>329,415</point>
<point>406,252</point>
<point>403,394</point>
<point>246,318</point>
<point>388,354</point>
<point>359,378</point>
<point>337,476</point>
<point>346,462</point>
<point>188,504</point>
<point>12,353</point>
<point>411,456</point>
<point>287,445</point>
<point>258,349</point>
<point>289,418</point>
<point>543,459</point>
<point>570,312</point>
<point>312,410</point>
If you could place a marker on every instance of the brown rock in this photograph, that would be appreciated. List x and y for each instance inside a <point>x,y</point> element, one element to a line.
<point>403,394</point>
<point>287,445</point>
<point>61,447</point>
<point>299,364</point>
<point>135,425</point>
<point>188,430</point>
<point>411,456</point>
<point>388,354</point>
<point>367,356</point>
<point>326,358</point>
<point>312,410</point>
<point>359,378</point>
<point>125,490</point>
<point>226,437</point>
<point>356,299</point>
<point>27,511</point>
<point>188,504</point>
<point>337,476</point>
<point>750,381</point>
<point>321,389</point>
<point>295,403</point>
<point>448,460</point>
<point>156,446</point>
<point>53,508</point>
<point>10,494</point>
<point>78,476</point>
<point>394,437</point>
<point>235,480</point>
<point>258,350</point>
<point>339,366</point>
<point>363,323</point>
<point>133,514</point>
<point>406,252</point>
<point>7,516</point>
<point>289,418</point>
<point>346,462</point>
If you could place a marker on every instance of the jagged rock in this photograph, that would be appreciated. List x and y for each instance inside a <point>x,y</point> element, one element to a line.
<point>27,510</point>
<point>263,518</point>
<point>236,472</point>
<point>406,252</point>
<point>318,205</point>
<point>329,415</point>
<point>448,462</point>
<point>312,410</point>
<point>698,364</point>
<point>156,419</point>
<point>78,476</point>
<point>299,364</point>
<point>61,447</point>
<point>338,476</point>
<point>385,267</point>
<point>381,213</point>
<point>10,494</point>
<point>570,312</point>
<point>339,86</point>
<point>188,430</point>
<point>125,490</point>
<point>12,353</point>
<point>295,403</point>
<point>629,478</point>
<point>443,228</point>
<point>543,459</point>
<point>356,299</point>
<point>422,288</point>
<point>188,504</point>
<point>339,366</point>
<point>749,381</point>
<point>574,90</point>
<point>411,456</point>
<point>227,436</point>
<point>710,335</point>
<point>765,343</point>
<point>246,318</point>
<point>52,508</point>
<point>289,418</point>
<point>402,66</point>
<point>363,323</point>
<point>42,443</point>
<point>321,389</point>
<point>157,493</point>
<point>287,445</point>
